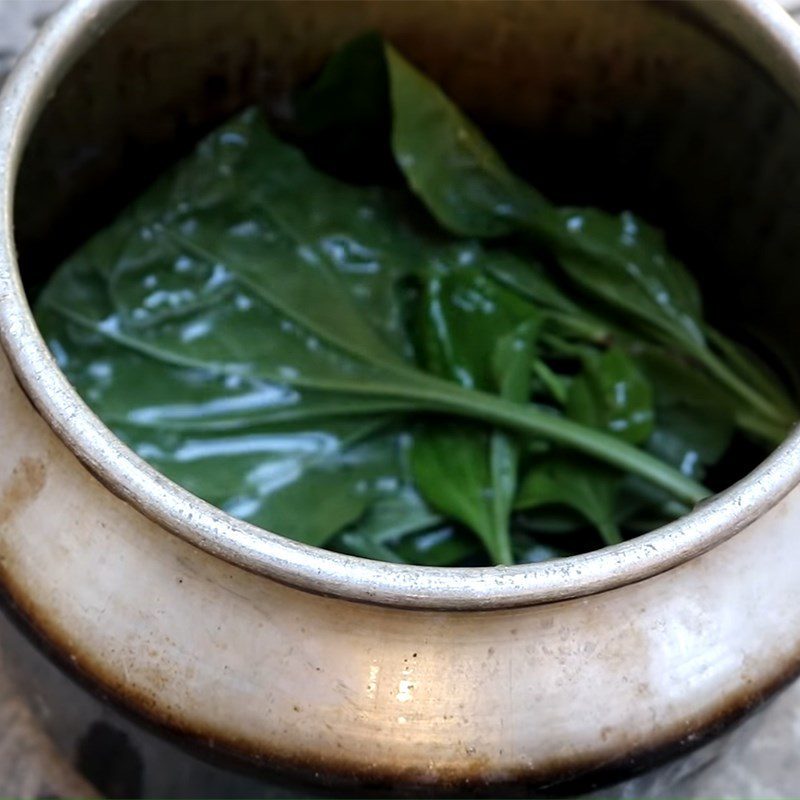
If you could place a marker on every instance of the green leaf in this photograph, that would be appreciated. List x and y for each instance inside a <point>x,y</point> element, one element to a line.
<point>389,520</point>
<point>694,416</point>
<point>616,260</point>
<point>259,451</point>
<point>131,388</point>
<point>612,394</point>
<point>530,551</point>
<point>580,484</point>
<point>454,471</point>
<point>396,515</point>
<point>401,528</point>
<point>441,547</point>
<point>511,359</point>
<point>755,372</point>
<point>224,310</point>
<point>511,362</point>
<point>549,521</point>
<point>445,546</point>
<point>447,161</point>
<point>469,189</point>
<point>625,263</point>
<point>462,315</point>
<point>476,333</point>
<point>529,278</point>
<point>303,483</point>
<point>694,425</point>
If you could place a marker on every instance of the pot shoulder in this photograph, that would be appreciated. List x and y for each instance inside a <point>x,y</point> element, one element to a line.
<point>366,693</point>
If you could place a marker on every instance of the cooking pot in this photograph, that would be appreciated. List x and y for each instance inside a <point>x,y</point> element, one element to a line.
<point>576,670</point>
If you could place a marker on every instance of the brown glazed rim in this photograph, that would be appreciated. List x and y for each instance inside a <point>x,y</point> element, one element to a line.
<point>775,39</point>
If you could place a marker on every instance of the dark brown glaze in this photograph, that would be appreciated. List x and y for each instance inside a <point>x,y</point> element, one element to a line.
<point>558,778</point>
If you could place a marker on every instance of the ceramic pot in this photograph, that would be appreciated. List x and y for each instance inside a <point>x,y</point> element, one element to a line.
<point>373,674</point>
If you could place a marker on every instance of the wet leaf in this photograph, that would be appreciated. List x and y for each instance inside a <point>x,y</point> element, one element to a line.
<point>611,393</point>
<point>253,346</point>
<point>618,261</point>
<point>480,335</point>
<point>580,484</point>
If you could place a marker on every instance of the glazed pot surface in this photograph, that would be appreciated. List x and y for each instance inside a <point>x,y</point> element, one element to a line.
<point>648,100</point>
<point>489,681</point>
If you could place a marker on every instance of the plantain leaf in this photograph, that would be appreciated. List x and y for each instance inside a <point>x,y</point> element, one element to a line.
<point>469,189</point>
<point>625,263</point>
<point>447,162</point>
<point>256,450</point>
<point>612,393</point>
<point>618,261</point>
<point>478,334</point>
<point>694,417</point>
<point>578,483</point>
<point>252,344</point>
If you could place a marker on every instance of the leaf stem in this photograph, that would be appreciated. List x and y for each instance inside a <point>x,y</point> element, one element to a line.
<point>610,534</point>
<point>767,431</point>
<point>583,327</point>
<point>428,393</point>
<point>772,425</point>
<point>502,553</point>
<point>443,396</point>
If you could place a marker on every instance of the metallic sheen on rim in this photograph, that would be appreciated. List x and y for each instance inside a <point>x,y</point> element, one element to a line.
<point>61,42</point>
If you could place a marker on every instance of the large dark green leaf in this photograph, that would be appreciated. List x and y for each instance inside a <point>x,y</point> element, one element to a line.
<point>617,260</point>
<point>240,308</point>
<point>225,313</point>
<point>131,388</point>
<point>470,190</point>
<point>180,322</point>
<point>257,450</point>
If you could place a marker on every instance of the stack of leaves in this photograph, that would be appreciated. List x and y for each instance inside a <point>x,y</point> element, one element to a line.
<point>479,377</point>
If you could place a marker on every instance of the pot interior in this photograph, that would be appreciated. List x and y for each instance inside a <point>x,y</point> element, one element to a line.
<point>638,105</point>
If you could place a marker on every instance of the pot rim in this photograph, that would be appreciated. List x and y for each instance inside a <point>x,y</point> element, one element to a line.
<point>62,40</point>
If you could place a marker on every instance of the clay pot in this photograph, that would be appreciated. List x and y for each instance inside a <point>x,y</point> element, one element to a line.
<point>376,674</point>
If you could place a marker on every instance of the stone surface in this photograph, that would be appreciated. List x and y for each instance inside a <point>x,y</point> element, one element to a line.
<point>30,763</point>
<point>760,762</point>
